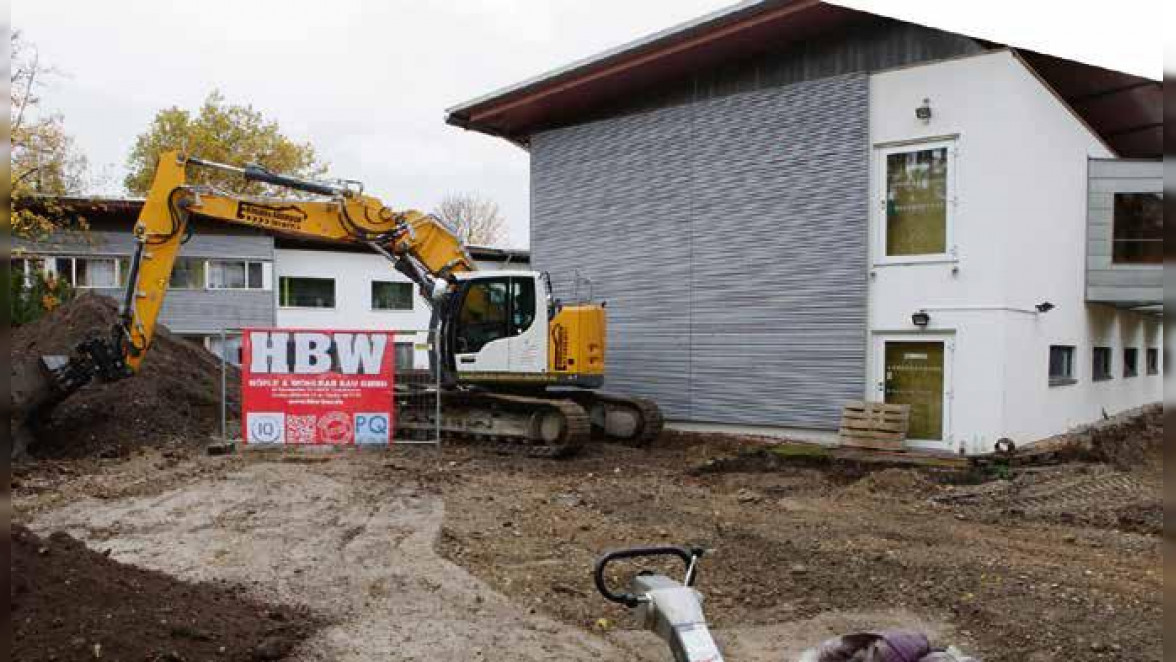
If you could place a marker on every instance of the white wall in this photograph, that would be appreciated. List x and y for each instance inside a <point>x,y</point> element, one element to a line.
<point>353,274</point>
<point>1019,234</point>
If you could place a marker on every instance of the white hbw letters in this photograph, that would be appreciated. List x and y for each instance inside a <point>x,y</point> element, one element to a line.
<point>269,352</point>
<point>315,352</point>
<point>312,353</point>
<point>360,352</point>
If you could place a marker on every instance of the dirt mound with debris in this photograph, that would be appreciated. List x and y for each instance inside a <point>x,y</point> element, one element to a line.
<point>133,614</point>
<point>893,483</point>
<point>174,399</point>
<point>1131,441</point>
<point>1090,495</point>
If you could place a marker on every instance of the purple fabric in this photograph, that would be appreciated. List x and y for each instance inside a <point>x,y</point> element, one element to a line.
<point>903,646</point>
<point>889,646</point>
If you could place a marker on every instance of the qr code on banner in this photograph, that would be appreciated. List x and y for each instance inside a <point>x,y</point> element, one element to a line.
<point>300,428</point>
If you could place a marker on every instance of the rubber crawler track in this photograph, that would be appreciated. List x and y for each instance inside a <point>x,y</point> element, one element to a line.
<point>652,421</point>
<point>577,430</point>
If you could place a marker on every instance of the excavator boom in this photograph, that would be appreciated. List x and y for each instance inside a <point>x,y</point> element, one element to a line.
<point>419,246</point>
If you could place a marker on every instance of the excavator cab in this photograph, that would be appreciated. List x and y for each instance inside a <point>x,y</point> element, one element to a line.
<point>500,329</point>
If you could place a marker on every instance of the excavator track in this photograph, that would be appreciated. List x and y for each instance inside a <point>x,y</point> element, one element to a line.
<point>512,424</point>
<point>642,419</point>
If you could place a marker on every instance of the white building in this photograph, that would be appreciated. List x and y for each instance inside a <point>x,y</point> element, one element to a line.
<point>1018,183</point>
<point>326,286</point>
<point>789,205</point>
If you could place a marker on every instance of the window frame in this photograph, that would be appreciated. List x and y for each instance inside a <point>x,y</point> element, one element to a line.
<point>203,276</point>
<point>1070,377</point>
<point>334,293</point>
<point>408,349</point>
<point>116,259</point>
<point>1130,362</point>
<point>208,263</point>
<point>1152,361</point>
<point>372,296</point>
<point>1109,374</point>
<point>1120,264</point>
<point>882,152</point>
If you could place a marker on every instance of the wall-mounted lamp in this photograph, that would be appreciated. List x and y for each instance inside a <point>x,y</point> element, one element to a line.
<point>923,112</point>
<point>921,319</point>
<point>1044,307</point>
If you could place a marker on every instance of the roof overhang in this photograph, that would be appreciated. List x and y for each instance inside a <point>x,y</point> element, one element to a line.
<point>1125,110</point>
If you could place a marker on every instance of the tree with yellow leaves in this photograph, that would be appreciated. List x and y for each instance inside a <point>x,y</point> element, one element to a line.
<point>234,134</point>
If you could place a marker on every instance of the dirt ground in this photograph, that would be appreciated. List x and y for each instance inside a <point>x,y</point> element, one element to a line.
<point>463,554</point>
<point>128,613</point>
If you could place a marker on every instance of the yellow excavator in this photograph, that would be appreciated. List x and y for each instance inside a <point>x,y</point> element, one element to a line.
<point>518,369</point>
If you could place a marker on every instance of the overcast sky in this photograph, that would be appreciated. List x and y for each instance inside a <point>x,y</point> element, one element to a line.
<point>367,82</point>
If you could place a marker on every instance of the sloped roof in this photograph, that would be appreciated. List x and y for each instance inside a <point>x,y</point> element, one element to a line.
<point>1125,110</point>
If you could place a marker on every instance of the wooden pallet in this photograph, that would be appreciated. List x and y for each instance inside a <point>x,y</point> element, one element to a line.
<point>874,425</point>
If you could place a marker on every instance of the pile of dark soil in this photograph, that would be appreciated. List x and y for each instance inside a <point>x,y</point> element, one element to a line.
<point>174,399</point>
<point>133,614</point>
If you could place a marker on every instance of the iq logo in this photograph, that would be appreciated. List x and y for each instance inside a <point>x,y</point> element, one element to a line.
<point>372,428</point>
<point>266,427</point>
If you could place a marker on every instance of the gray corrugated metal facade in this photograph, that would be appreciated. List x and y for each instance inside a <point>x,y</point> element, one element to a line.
<point>184,311</point>
<point>1107,282</point>
<point>728,237</point>
<point>723,216</point>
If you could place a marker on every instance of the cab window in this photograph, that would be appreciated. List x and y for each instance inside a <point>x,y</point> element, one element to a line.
<point>495,308</point>
<point>483,315</point>
<point>522,304</point>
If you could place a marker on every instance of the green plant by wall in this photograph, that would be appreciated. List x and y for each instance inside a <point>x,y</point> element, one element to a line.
<point>30,297</point>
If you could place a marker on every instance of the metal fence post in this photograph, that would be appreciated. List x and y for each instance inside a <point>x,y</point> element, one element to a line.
<point>224,387</point>
<point>433,351</point>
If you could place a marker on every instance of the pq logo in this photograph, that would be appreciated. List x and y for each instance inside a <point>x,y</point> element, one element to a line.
<point>372,428</point>
<point>266,427</point>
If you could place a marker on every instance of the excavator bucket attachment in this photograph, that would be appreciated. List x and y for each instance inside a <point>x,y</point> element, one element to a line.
<point>95,357</point>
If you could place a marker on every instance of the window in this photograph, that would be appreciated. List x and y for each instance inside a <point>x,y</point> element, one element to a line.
<point>391,296</point>
<point>231,346</point>
<point>494,308</point>
<point>1130,362</point>
<point>916,199</point>
<point>1101,363</point>
<point>298,292</point>
<point>483,314</point>
<point>404,356</point>
<point>1061,365</point>
<point>95,272</point>
<point>1153,360</point>
<point>188,274</point>
<point>1138,228</point>
<point>63,267</point>
<point>522,304</point>
<point>235,275</point>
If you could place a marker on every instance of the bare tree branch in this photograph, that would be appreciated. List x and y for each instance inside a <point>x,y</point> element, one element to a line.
<point>474,218</point>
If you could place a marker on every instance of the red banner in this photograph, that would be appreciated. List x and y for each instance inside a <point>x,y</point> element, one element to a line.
<point>302,386</point>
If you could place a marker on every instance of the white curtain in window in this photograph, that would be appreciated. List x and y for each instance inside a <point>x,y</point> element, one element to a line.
<point>96,273</point>
<point>226,275</point>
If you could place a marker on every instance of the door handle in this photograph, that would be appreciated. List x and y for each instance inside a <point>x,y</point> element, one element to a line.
<point>468,359</point>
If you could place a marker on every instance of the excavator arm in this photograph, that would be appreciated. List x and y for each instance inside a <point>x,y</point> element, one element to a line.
<point>418,245</point>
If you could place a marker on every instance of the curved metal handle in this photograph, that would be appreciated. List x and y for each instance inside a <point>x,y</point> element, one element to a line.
<point>688,556</point>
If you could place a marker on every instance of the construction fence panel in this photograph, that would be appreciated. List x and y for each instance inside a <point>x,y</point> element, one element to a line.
<point>363,397</point>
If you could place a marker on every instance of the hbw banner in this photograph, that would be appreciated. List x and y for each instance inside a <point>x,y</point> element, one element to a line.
<point>317,387</point>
